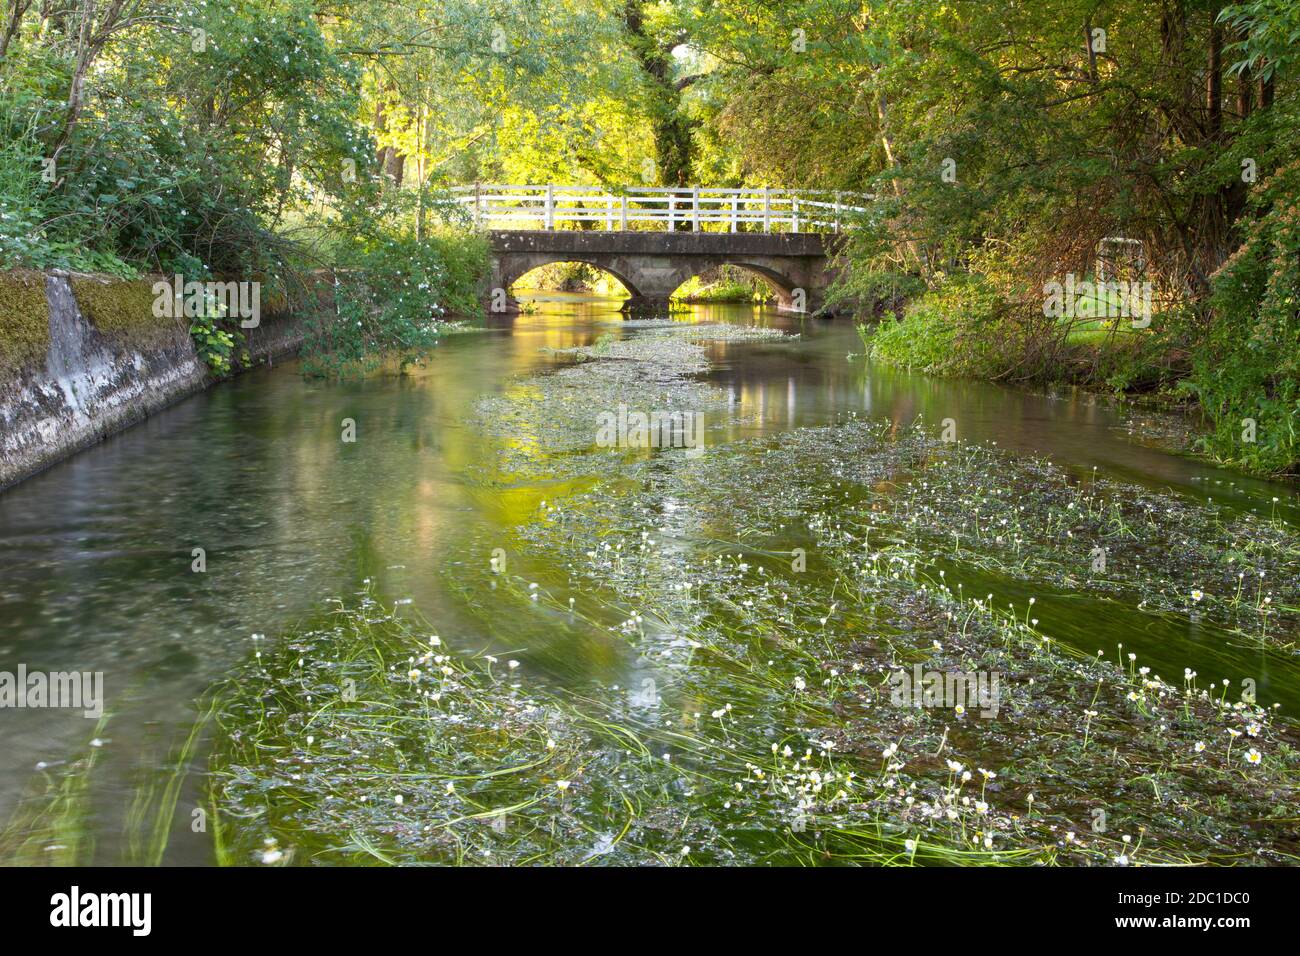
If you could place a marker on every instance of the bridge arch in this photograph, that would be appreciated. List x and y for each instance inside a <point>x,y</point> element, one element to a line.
<point>779,281</point>
<point>513,271</point>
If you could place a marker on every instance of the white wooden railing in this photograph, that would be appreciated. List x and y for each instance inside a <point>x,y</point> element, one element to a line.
<point>702,208</point>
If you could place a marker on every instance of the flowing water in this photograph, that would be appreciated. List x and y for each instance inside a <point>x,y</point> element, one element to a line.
<point>97,555</point>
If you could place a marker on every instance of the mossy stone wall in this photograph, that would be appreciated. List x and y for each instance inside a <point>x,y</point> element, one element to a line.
<point>123,312</point>
<point>24,321</point>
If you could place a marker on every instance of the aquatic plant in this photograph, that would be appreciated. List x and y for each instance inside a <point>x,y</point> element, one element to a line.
<point>770,594</point>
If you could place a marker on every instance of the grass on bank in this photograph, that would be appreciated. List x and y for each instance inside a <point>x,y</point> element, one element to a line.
<point>1232,356</point>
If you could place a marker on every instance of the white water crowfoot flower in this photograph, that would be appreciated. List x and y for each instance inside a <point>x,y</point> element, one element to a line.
<point>720,715</point>
<point>1087,725</point>
<point>987,775</point>
<point>1233,734</point>
<point>271,853</point>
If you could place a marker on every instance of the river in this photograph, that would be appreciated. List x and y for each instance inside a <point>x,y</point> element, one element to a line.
<point>97,554</point>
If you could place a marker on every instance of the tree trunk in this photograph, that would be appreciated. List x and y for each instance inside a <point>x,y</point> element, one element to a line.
<point>672,132</point>
<point>1236,198</point>
<point>1266,92</point>
<point>92,35</point>
<point>13,22</point>
<point>1214,80</point>
<point>396,168</point>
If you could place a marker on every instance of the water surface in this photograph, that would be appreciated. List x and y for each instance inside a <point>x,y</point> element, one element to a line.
<point>96,554</point>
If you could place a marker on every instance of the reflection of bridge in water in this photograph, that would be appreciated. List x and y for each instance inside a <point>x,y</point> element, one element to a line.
<point>654,239</point>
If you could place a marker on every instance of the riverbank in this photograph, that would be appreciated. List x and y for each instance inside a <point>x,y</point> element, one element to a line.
<point>1208,357</point>
<point>725,284</point>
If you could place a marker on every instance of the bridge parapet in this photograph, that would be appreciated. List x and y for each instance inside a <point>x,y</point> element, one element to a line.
<point>581,242</point>
<point>701,209</point>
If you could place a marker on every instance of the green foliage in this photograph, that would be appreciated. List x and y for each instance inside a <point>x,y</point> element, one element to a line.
<point>266,140</point>
<point>215,340</point>
<point>389,298</point>
<point>725,284</point>
<point>270,139</point>
<point>1247,368</point>
<point>874,289</point>
<point>571,277</point>
<point>182,150</point>
<point>1268,32</point>
<point>921,338</point>
<point>1005,142</point>
<point>949,330</point>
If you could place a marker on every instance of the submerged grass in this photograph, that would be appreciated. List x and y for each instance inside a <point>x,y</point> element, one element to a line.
<point>442,757</point>
<point>52,824</point>
<point>152,814</point>
<point>544,418</point>
<point>771,593</point>
<point>834,636</point>
<point>447,758</point>
<point>1082,533</point>
<point>50,828</point>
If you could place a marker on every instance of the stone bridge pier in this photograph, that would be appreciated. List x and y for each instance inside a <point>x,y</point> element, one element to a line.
<point>653,265</point>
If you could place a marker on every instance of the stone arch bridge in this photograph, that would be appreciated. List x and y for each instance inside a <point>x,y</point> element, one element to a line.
<point>653,265</point>
<point>654,239</point>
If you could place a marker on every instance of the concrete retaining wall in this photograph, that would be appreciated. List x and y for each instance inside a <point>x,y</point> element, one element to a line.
<point>108,364</point>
